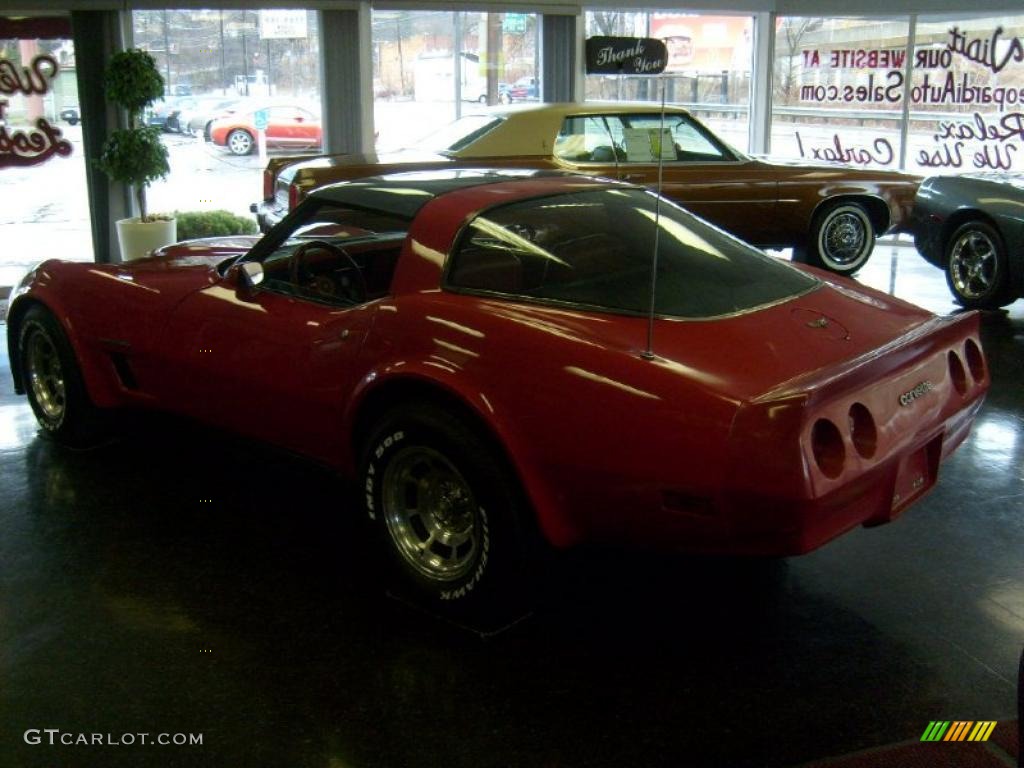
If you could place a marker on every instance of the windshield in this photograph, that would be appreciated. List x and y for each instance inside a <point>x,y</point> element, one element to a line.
<point>460,134</point>
<point>595,249</point>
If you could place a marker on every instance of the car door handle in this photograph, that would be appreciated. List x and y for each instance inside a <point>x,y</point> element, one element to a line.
<point>637,177</point>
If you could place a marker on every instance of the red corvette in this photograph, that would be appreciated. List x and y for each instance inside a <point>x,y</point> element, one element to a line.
<point>473,347</point>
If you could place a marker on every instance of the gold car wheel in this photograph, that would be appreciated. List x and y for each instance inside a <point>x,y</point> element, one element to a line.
<point>46,375</point>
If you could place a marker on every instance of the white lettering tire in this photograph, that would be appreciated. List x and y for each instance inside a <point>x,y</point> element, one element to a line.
<point>446,510</point>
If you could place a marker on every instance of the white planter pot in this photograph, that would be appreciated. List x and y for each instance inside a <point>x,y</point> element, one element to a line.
<point>138,239</point>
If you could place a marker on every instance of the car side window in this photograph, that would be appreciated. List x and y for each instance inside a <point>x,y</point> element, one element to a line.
<point>588,139</point>
<point>636,138</point>
<point>595,249</point>
<point>689,143</point>
<point>337,255</point>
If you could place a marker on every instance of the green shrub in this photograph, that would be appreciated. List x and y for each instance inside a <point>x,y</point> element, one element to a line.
<point>193,224</point>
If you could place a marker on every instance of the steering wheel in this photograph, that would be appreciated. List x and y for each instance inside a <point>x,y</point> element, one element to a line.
<point>354,289</point>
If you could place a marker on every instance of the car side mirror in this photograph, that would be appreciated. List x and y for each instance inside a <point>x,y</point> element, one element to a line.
<point>249,275</point>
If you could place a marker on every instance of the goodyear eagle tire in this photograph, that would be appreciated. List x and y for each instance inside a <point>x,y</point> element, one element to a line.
<point>977,270</point>
<point>53,381</point>
<point>446,512</point>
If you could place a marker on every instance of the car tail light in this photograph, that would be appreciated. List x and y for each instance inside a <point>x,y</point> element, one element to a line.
<point>827,446</point>
<point>957,373</point>
<point>863,432</point>
<point>975,360</point>
<point>268,184</point>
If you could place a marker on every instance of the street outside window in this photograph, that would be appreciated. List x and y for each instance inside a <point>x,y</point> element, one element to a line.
<point>432,67</point>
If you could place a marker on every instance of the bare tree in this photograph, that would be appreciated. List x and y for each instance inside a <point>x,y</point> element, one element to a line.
<point>789,55</point>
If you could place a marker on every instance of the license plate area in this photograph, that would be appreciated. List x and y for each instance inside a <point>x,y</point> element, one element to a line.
<point>916,474</point>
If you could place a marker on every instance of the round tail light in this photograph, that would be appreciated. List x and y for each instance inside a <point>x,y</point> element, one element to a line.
<point>827,446</point>
<point>863,431</point>
<point>957,373</point>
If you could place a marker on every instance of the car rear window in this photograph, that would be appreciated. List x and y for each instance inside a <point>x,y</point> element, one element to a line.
<point>595,248</point>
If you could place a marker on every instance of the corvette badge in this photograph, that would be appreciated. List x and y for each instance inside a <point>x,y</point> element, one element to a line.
<point>919,391</point>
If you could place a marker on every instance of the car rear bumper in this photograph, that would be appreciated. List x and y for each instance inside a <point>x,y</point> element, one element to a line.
<point>751,524</point>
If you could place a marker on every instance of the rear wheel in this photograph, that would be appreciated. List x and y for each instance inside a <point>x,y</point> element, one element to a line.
<point>446,512</point>
<point>53,381</point>
<point>240,142</point>
<point>976,267</point>
<point>841,239</point>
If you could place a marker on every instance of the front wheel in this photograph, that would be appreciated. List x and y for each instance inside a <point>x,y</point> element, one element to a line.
<point>53,381</point>
<point>976,267</point>
<point>841,239</point>
<point>446,511</point>
<point>240,142</point>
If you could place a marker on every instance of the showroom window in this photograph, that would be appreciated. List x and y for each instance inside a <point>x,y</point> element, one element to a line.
<point>226,74</point>
<point>708,71</point>
<point>967,95</point>
<point>44,203</point>
<point>839,89</point>
<point>420,85</point>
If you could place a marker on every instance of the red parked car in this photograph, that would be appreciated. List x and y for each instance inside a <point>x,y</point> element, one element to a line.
<point>472,346</point>
<point>288,127</point>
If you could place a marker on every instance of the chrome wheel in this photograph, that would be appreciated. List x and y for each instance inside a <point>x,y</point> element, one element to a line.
<point>973,264</point>
<point>431,514</point>
<point>46,376</point>
<point>240,143</point>
<point>845,238</point>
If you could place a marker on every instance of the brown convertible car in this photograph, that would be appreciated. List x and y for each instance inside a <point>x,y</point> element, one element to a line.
<point>830,215</point>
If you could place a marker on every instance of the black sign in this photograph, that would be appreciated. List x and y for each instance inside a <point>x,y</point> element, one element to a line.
<point>625,56</point>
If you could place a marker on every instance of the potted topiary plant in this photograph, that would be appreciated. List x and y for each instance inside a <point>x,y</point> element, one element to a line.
<point>135,155</point>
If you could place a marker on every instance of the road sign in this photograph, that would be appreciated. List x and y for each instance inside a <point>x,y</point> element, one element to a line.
<point>514,23</point>
<point>260,119</point>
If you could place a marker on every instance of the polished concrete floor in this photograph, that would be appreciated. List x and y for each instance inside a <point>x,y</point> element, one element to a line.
<point>182,582</point>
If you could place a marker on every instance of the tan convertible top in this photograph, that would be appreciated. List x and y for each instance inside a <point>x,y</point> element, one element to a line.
<point>532,130</point>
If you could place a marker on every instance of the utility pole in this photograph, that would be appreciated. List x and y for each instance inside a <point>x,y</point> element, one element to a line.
<point>270,70</point>
<point>223,82</point>
<point>167,57</point>
<point>459,63</point>
<point>493,55</point>
<point>245,57</point>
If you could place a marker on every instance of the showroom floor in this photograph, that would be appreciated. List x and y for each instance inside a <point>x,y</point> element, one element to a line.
<point>181,582</point>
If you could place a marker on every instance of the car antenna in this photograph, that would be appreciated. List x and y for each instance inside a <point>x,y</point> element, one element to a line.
<point>647,56</point>
<point>648,353</point>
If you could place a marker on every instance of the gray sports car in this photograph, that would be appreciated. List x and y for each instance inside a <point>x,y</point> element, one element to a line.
<point>973,228</point>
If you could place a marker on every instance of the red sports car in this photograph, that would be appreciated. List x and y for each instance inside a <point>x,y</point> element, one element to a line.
<point>475,348</point>
<point>288,127</point>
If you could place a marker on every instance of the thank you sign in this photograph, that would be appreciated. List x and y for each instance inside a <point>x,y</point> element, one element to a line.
<point>625,56</point>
